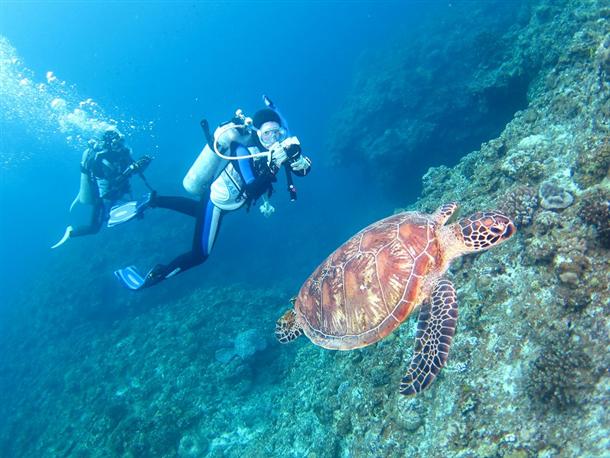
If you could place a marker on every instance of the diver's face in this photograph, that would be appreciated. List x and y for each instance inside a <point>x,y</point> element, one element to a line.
<point>115,143</point>
<point>270,133</point>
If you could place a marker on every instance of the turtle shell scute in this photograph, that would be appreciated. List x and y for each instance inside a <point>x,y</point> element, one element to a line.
<point>368,286</point>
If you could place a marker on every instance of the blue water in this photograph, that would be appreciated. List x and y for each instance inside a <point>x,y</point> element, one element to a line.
<point>170,65</point>
<point>157,68</point>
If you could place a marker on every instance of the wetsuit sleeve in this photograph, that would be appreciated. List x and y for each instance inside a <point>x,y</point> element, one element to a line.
<point>126,158</point>
<point>257,182</point>
<point>244,165</point>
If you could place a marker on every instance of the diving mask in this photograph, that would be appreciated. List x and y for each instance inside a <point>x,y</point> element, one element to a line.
<point>270,136</point>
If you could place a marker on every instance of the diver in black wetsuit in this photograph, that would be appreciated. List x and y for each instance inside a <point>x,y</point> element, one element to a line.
<point>106,169</point>
<point>243,180</point>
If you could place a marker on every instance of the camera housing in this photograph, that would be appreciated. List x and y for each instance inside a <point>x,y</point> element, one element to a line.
<point>292,148</point>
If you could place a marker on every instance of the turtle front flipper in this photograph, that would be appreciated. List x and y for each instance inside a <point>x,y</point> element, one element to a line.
<point>435,330</point>
<point>442,214</point>
<point>287,327</point>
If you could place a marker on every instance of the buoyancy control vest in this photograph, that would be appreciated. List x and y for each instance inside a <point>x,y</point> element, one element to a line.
<point>230,192</point>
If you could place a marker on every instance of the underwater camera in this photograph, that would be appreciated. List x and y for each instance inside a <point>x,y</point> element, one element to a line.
<point>292,148</point>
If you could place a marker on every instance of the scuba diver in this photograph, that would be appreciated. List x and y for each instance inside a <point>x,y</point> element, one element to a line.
<point>106,168</point>
<point>237,166</point>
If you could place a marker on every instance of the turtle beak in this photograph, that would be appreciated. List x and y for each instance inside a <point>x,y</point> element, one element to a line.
<point>509,231</point>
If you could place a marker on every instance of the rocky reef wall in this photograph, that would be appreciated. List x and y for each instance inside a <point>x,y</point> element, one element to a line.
<point>448,85</point>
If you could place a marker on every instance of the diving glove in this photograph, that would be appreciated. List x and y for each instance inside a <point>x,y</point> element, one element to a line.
<point>301,164</point>
<point>266,209</point>
<point>137,167</point>
<point>278,155</point>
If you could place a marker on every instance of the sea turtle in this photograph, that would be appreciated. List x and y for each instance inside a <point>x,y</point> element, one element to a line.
<point>369,285</point>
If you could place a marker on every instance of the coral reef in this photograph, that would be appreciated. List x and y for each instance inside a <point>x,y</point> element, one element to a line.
<point>246,345</point>
<point>593,164</point>
<point>595,210</point>
<point>554,197</point>
<point>560,375</point>
<point>520,203</point>
<point>443,94</point>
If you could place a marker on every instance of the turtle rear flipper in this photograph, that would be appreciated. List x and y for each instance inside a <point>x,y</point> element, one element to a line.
<point>435,330</point>
<point>287,327</point>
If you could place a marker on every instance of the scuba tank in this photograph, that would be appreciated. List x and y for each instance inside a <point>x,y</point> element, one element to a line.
<point>203,171</point>
<point>87,192</point>
<point>209,164</point>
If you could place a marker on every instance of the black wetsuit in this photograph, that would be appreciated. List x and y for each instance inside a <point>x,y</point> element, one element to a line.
<point>258,179</point>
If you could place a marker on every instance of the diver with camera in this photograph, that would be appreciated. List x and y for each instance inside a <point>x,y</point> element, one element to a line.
<point>237,166</point>
<point>106,170</point>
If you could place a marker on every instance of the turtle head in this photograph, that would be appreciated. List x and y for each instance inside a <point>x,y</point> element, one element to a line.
<point>483,230</point>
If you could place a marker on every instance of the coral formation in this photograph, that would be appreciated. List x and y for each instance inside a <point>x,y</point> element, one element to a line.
<point>602,55</point>
<point>595,209</point>
<point>593,164</point>
<point>246,344</point>
<point>560,375</point>
<point>415,104</point>
<point>554,197</point>
<point>520,203</point>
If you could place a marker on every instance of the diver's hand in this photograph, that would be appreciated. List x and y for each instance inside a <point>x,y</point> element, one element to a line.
<point>135,167</point>
<point>301,164</point>
<point>142,163</point>
<point>278,155</point>
<point>292,146</point>
<point>266,209</point>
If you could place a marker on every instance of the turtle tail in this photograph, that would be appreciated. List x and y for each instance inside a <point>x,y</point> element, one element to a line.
<point>287,327</point>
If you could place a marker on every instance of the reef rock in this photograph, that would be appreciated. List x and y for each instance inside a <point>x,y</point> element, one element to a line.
<point>461,74</point>
<point>245,345</point>
<point>554,197</point>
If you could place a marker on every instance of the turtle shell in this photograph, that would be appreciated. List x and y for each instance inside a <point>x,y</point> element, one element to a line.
<point>369,285</point>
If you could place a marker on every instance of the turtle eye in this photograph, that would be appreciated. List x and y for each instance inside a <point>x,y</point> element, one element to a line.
<point>508,231</point>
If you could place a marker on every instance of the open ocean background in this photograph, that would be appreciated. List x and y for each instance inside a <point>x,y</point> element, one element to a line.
<point>160,67</point>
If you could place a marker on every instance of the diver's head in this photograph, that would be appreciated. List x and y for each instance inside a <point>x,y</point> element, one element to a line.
<point>269,127</point>
<point>112,138</point>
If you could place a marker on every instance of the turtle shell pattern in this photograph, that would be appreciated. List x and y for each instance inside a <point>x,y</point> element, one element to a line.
<point>369,285</point>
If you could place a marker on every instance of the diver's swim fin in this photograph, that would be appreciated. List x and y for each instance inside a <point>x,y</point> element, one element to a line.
<point>64,238</point>
<point>130,278</point>
<point>126,212</point>
<point>133,280</point>
<point>122,213</point>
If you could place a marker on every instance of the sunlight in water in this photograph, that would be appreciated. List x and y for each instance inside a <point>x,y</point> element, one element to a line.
<point>50,107</point>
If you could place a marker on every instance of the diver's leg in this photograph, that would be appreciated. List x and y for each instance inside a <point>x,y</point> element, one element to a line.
<point>98,216</point>
<point>135,208</point>
<point>95,223</point>
<point>179,204</point>
<point>206,228</point>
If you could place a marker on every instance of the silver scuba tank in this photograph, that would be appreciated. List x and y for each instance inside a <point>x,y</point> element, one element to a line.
<point>208,164</point>
<point>87,191</point>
